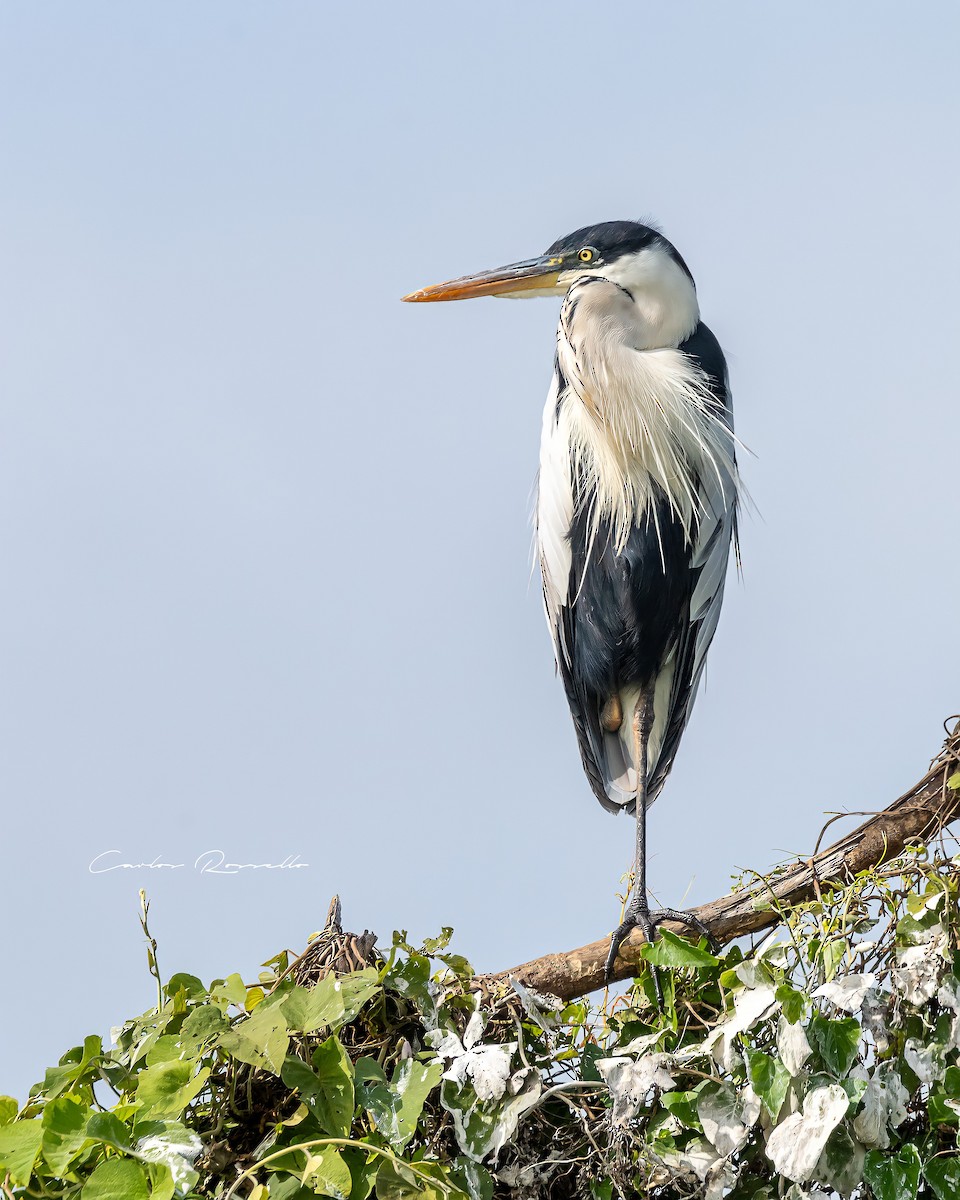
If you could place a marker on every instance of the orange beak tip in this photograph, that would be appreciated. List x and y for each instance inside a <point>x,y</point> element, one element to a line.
<point>535,275</point>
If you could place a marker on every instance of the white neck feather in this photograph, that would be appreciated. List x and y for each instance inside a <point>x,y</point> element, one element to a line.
<point>638,419</point>
<point>663,294</point>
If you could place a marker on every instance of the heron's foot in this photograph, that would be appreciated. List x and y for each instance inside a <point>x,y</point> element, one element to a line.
<point>685,918</point>
<point>639,916</point>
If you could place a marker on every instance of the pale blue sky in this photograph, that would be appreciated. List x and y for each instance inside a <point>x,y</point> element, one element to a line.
<point>264,530</point>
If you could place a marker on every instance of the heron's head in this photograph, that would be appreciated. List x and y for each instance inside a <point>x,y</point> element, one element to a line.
<point>634,256</point>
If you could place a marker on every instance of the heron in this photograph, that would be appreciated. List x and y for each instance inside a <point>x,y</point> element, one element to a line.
<point>636,507</point>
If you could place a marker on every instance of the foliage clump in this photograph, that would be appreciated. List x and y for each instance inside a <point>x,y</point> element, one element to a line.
<point>824,1060</point>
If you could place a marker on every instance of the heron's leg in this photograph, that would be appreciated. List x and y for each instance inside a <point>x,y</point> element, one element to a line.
<point>638,913</point>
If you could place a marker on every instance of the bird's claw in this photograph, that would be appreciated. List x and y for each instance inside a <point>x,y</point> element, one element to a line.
<point>640,917</point>
<point>635,918</point>
<point>685,918</point>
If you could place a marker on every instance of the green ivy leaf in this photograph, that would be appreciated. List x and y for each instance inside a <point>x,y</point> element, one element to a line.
<point>202,1023</point>
<point>285,1187</point>
<point>367,1070</point>
<point>460,966</point>
<point>913,931</point>
<point>261,1040</point>
<point>432,945</point>
<point>167,1088</point>
<point>334,1102</point>
<point>440,1182</point>
<point>19,1147</point>
<point>307,1009</point>
<point>328,1174</point>
<point>432,1181</point>
<point>411,978</point>
<point>840,1166</point>
<point>107,1127</point>
<point>64,1131</point>
<point>224,992</point>
<point>396,1107</point>
<point>395,1181</point>
<point>147,1030</point>
<point>356,989</point>
<point>792,1002</point>
<point>327,1091</point>
<point>831,956</point>
<point>954,781</point>
<point>297,1074</point>
<point>333,1002</point>
<point>951,1082</point>
<point>770,1079</point>
<point>473,1179</point>
<point>190,985</point>
<point>893,1176</point>
<point>837,1042</point>
<point>668,950</point>
<point>588,1062</point>
<point>939,1111</point>
<point>8,1109</point>
<point>729,980</point>
<point>160,1178</point>
<point>917,904</point>
<point>943,1174</point>
<point>683,1105</point>
<point>363,1173</point>
<point>413,1082</point>
<point>116,1179</point>
<point>164,1049</point>
<point>73,1067</point>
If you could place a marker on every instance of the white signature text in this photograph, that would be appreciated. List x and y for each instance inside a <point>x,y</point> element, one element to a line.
<point>210,862</point>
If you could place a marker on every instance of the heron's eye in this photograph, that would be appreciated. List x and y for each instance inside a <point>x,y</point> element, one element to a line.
<point>587,254</point>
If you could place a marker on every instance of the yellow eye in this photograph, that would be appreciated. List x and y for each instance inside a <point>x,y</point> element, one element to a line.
<point>586,254</point>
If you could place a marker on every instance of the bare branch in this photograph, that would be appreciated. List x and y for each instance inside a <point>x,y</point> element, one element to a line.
<point>914,819</point>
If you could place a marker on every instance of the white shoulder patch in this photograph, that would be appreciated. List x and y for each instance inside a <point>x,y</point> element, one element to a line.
<point>554,512</point>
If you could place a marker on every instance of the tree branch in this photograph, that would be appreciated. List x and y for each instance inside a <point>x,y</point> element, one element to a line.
<point>914,819</point>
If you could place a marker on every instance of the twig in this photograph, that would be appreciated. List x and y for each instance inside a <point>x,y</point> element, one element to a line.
<point>151,947</point>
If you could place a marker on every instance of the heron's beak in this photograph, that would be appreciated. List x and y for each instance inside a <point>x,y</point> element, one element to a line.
<point>535,275</point>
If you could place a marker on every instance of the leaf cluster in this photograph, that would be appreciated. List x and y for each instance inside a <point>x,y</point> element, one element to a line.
<point>825,1060</point>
